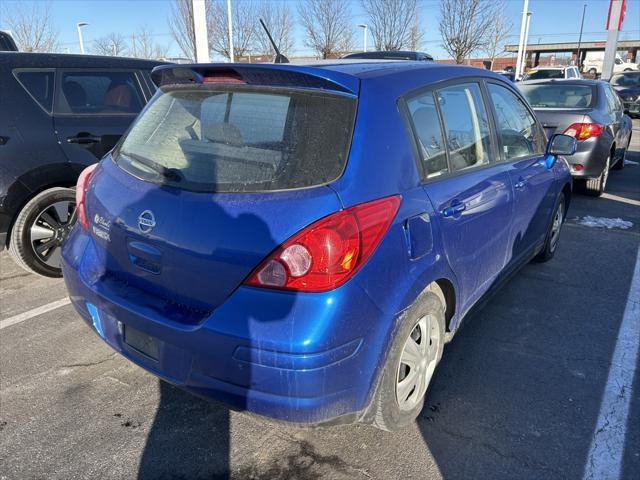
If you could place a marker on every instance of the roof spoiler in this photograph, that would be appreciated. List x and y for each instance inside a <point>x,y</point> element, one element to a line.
<point>259,74</point>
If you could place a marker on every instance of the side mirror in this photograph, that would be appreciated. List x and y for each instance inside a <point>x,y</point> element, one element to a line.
<point>562,145</point>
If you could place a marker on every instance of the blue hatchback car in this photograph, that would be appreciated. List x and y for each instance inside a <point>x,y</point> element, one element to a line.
<point>300,241</point>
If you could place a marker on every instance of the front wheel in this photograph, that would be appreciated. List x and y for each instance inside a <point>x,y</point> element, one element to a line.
<point>553,234</point>
<point>39,230</point>
<point>416,351</point>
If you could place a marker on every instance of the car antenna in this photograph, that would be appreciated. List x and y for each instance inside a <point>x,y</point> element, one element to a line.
<point>279,57</point>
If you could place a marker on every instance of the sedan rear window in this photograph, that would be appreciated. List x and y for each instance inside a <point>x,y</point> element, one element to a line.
<point>214,139</point>
<point>558,95</point>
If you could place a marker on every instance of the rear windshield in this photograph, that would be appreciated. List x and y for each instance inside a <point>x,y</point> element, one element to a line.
<point>214,139</point>
<point>543,74</point>
<point>558,95</point>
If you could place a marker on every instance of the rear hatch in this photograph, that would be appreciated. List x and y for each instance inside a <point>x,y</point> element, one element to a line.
<point>209,180</point>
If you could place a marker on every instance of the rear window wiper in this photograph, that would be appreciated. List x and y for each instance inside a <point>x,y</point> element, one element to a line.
<point>168,173</point>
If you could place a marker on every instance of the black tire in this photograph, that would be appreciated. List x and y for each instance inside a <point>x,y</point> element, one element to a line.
<point>620,163</point>
<point>593,71</point>
<point>595,186</point>
<point>551,241</point>
<point>385,412</point>
<point>20,245</point>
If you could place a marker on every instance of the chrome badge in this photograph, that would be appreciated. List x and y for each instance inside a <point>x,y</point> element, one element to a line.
<point>146,221</point>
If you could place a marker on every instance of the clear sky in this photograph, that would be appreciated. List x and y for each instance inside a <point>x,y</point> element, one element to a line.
<point>552,20</point>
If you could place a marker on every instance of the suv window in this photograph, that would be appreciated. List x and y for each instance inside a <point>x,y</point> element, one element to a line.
<point>99,93</point>
<point>426,123</point>
<point>215,139</point>
<point>466,125</point>
<point>39,85</point>
<point>517,128</point>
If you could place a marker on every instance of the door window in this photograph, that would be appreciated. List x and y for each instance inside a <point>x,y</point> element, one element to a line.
<point>517,128</point>
<point>38,84</point>
<point>424,115</point>
<point>466,126</point>
<point>99,93</point>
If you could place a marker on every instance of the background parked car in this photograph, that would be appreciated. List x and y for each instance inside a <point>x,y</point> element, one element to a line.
<point>60,113</point>
<point>544,73</point>
<point>7,44</point>
<point>594,60</point>
<point>590,111</point>
<point>390,55</point>
<point>627,85</point>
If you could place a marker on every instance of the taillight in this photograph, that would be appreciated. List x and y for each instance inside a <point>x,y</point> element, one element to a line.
<point>81,191</point>
<point>583,131</point>
<point>328,252</point>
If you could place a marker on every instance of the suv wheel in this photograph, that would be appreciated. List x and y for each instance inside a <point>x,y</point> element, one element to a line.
<point>596,186</point>
<point>39,230</point>
<point>593,71</point>
<point>410,365</point>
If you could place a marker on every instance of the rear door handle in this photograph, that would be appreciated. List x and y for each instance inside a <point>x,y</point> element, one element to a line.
<point>520,184</point>
<point>454,209</point>
<point>84,139</point>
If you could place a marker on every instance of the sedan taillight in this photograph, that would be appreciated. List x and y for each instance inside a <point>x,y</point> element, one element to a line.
<point>583,131</point>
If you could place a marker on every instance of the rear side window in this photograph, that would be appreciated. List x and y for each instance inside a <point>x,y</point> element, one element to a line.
<point>466,126</point>
<point>426,124</point>
<point>237,140</point>
<point>39,85</point>
<point>517,128</point>
<point>99,93</point>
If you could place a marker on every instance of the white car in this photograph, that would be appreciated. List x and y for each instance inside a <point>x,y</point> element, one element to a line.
<point>547,73</point>
<point>593,65</point>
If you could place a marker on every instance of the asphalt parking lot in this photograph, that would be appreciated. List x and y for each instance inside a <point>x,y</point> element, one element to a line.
<point>519,392</point>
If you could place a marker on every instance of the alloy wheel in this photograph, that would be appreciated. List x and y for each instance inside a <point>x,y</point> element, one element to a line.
<point>556,226</point>
<point>50,229</point>
<point>417,362</point>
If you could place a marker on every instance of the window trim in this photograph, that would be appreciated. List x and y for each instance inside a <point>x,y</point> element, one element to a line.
<point>58,90</point>
<point>17,71</point>
<point>501,155</point>
<point>433,87</point>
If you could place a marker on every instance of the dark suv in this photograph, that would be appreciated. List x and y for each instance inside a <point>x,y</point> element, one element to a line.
<point>60,113</point>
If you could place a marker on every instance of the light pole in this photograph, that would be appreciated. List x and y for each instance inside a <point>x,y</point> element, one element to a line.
<point>364,28</point>
<point>524,45</point>
<point>231,55</point>
<point>525,10</point>
<point>79,26</point>
<point>584,9</point>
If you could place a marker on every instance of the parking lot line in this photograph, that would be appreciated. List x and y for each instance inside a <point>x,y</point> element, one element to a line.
<point>607,446</point>
<point>7,322</point>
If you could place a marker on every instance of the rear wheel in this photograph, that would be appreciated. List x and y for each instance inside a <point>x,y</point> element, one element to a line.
<point>593,71</point>
<point>596,186</point>
<point>415,353</point>
<point>39,230</point>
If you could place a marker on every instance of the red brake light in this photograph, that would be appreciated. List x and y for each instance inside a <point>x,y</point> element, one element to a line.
<point>583,131</point>
<point>81,191</point>
<point>328,252</point>
<point>223,77</point>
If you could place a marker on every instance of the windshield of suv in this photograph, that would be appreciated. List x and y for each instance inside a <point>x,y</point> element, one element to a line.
<point>553,95</point>
<point>543,74</point>
<point>626,80</point>
<point>215,139</point>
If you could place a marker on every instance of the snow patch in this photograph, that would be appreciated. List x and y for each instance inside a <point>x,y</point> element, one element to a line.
<point>630,162</point>
<point>603,222</point>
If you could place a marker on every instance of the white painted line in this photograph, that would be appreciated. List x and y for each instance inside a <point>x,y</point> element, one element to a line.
<point>607,446</point>
<point>7,322</point>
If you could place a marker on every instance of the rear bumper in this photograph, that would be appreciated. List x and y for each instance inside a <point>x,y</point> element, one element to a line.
<point>311,359</point>
<point>591,155</point>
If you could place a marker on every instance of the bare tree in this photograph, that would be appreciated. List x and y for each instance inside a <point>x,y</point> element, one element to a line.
<point>244,16</point>
<point>279,20</point>
<point>114,44</point>
<point>143,45</point>
<point>416,35</point>
<point>465,25</point>
<point>497,35</point>
<point>31,27</point>
<point>327,26</point>
<point>393,23</point>
<point>181,25</point>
